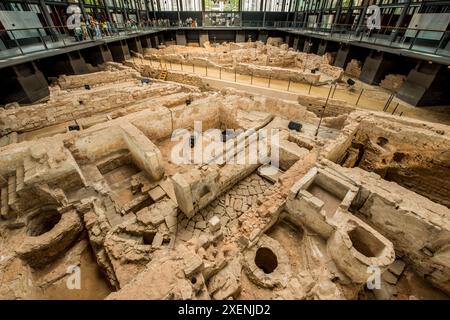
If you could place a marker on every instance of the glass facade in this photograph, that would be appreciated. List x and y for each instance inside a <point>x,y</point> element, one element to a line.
<point>406,24</point>
<point>191,5</point>
<point>252,5</point>
<point>306,13</point>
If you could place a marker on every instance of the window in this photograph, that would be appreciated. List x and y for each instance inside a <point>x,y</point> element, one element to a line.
<point>302,5</point>
<point>277,5</point>
<point>191,5</point>
<point>168,5</point>
<point>345,3</point>
<point>221,5</point>
<point>14,6</point>
<point>141,4</point>
<point>251,5</point>
<point>155,6</point>
<point>35,8</point>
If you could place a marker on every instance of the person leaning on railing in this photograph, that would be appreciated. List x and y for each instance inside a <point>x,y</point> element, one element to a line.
<point>78,33</point>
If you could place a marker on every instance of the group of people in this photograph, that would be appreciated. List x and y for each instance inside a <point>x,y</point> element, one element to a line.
<point>189,23</point>
<point>157,23</point>
<point>91,28</point>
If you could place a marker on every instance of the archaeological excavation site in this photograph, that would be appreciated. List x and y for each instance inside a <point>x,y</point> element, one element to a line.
<point>244,170</point>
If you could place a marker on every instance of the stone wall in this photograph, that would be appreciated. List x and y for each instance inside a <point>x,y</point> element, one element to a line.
<point>111,100</point>
<point>275,61</point>
<point>354,68</point>
<point>393,82</point>
<point>418,228</point>
<point>115,72</point>
<point>334,107</point>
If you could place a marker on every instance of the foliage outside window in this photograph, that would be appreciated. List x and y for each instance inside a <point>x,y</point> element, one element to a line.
<point>221,5</point>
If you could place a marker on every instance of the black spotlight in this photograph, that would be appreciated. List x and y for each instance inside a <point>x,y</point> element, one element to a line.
<point>350,82</point>
<point>192,141</point>
<point>145,81</point>
<point>314,70</point>
<point>188,102</point>
<point>87,87</point>
<point>295,126</point>
<point>74,127</point>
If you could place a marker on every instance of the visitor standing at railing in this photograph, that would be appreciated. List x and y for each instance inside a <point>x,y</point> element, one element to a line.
<point>84,29</point>
<point>105,28</point>
<point>78,33</point>
<point>109,27</point>
<point>98,33</point>
<point>91,26</point>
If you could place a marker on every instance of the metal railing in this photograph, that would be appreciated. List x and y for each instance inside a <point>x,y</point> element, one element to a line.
<point>421,40</point>
<point>17,42</point>
<point>414,39</point>
<point>437,42</point>
<point>363,97</point>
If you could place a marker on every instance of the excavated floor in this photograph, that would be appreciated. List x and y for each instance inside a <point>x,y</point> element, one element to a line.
<point>110,199</point>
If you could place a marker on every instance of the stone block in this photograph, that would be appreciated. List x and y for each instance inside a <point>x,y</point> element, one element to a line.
<point>192,264</point>
<point>157,193</point>
<point>214,224</point>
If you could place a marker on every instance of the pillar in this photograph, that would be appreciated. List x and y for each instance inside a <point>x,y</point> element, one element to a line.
<point>375,67</point>
<point>134,44</point>
<point>203,37</point>
<point>300,44</point>
<point>309,45</point>
<point>295,43</point>
<point>70,63</point>
<point>342,57</point>
<point>154,41</point>
<point>181,38</point>
<point>400,20</point>
<point>262,36</point>
<point>23,83</point>
<point>426,85</point>
<point>240,36</point>
<point>46,14</point>
<point>322,47</point>
<point>97,55</point>
<point>119,50</point>
<point>146,42</point>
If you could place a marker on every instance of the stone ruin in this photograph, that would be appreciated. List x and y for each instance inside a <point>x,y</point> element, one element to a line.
<point>274,59</point>
<point>88,183</point>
